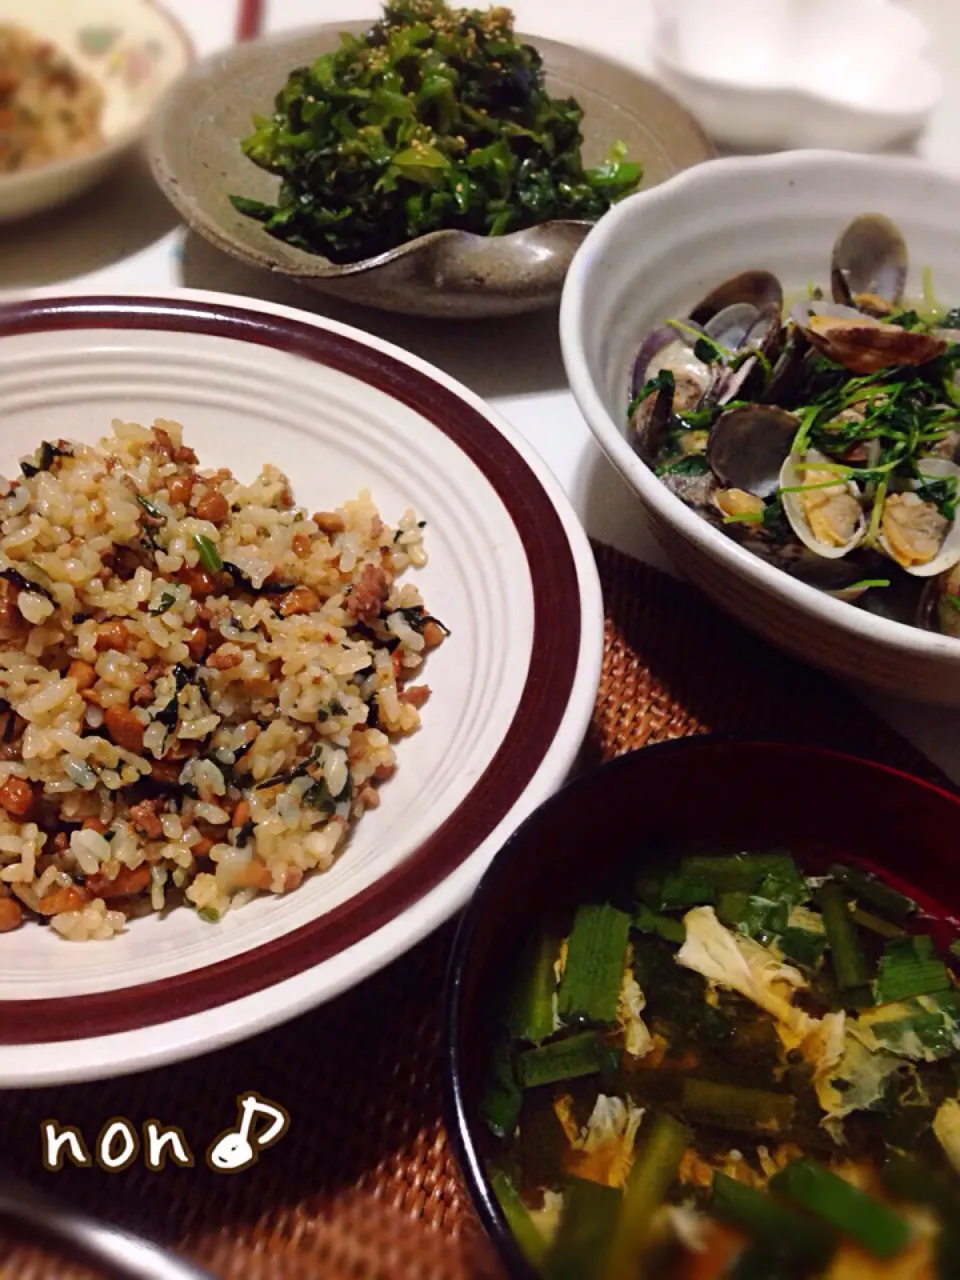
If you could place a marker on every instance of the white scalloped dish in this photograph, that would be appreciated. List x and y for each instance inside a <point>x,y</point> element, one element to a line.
<point>850,75</point>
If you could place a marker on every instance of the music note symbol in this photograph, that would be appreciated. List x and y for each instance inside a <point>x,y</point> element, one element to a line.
<point>238,1148</point>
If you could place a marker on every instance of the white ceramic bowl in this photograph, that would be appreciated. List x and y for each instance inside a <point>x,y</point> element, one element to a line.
<point>134,49</point>
<point>656,255</point>
<point>510,572</point>
<point>758,74</point>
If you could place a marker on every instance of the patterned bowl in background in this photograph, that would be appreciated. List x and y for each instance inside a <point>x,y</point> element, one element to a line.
<point>134,49</point>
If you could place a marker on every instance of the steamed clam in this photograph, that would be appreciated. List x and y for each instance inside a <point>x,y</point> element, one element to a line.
<point>760,289</point>
<point>915,530</point>
<point>670,350</point>
<point>868,268</point>
<point>743,314</point>
<point>824,508</point>
<point>825,436</point>
<point>911,531</point>
<point>868,274</point>
<point>668,379</point>
<point>866,345</point>
<point>748,445</point>
<point>704,359</point>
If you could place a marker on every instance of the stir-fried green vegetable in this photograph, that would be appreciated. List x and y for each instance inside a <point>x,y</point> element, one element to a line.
<point>804,947</point>
<point>502,1100</point>
<point>871,889</point>
<point>209,555</point>
<point>648,921</point>
<point>437,118</point>
<point>733,1043</point>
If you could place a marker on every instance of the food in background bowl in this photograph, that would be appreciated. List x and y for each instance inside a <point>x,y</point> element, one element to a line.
<point>49,109</point>
<point>824,438</point>
<point>436,119</point>
<point>200,682</point>
<point>726,1067</point>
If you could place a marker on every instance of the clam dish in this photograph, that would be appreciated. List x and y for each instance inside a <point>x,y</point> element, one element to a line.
<point>821,432</point>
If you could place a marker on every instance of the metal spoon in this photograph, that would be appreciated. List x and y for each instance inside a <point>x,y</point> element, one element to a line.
<point>128,1256</point>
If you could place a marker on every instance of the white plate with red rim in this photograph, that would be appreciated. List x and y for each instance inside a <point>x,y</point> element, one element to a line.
<point>511,573</point>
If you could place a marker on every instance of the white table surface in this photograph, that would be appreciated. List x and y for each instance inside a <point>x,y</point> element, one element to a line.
<point>125,235</point>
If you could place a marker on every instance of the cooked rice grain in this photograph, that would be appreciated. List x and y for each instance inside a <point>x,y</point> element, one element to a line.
<point>201,684</point>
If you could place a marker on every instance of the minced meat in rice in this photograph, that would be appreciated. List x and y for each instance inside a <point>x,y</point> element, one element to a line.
<point>200,683</point>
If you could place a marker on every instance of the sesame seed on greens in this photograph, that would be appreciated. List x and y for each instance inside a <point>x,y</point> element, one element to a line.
<point>436,118</point>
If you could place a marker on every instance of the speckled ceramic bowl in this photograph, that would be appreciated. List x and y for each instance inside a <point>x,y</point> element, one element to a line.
<point>196,157</point>
<point>134,49</point>
<point>652,258</point>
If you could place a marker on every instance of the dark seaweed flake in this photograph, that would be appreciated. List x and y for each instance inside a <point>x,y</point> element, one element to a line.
<point>244,833</point>
<point>24,584</point>
<point>45,457</point>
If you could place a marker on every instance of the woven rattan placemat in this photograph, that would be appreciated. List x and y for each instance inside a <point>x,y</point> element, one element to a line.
<point>363,1185</point>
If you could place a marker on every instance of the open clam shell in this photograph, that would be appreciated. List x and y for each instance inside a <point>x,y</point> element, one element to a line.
<point>745,327</point>
<point>949,553</point>
<point>824,508</point>
<point>869,264</point>
<point>786,382</point>
<point>669,348</point>
<point>748,445</point>
<point>695,491</point>
<point>650,425</point>
<point>802,312</point>
<point>745,313</point>
<point>740,316</point>
<point>850,594</point>
<point>761,289</point>
<point>864,344</point>
<point>733,384</point>
<point>731,326</point>
<point>653,343</point>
